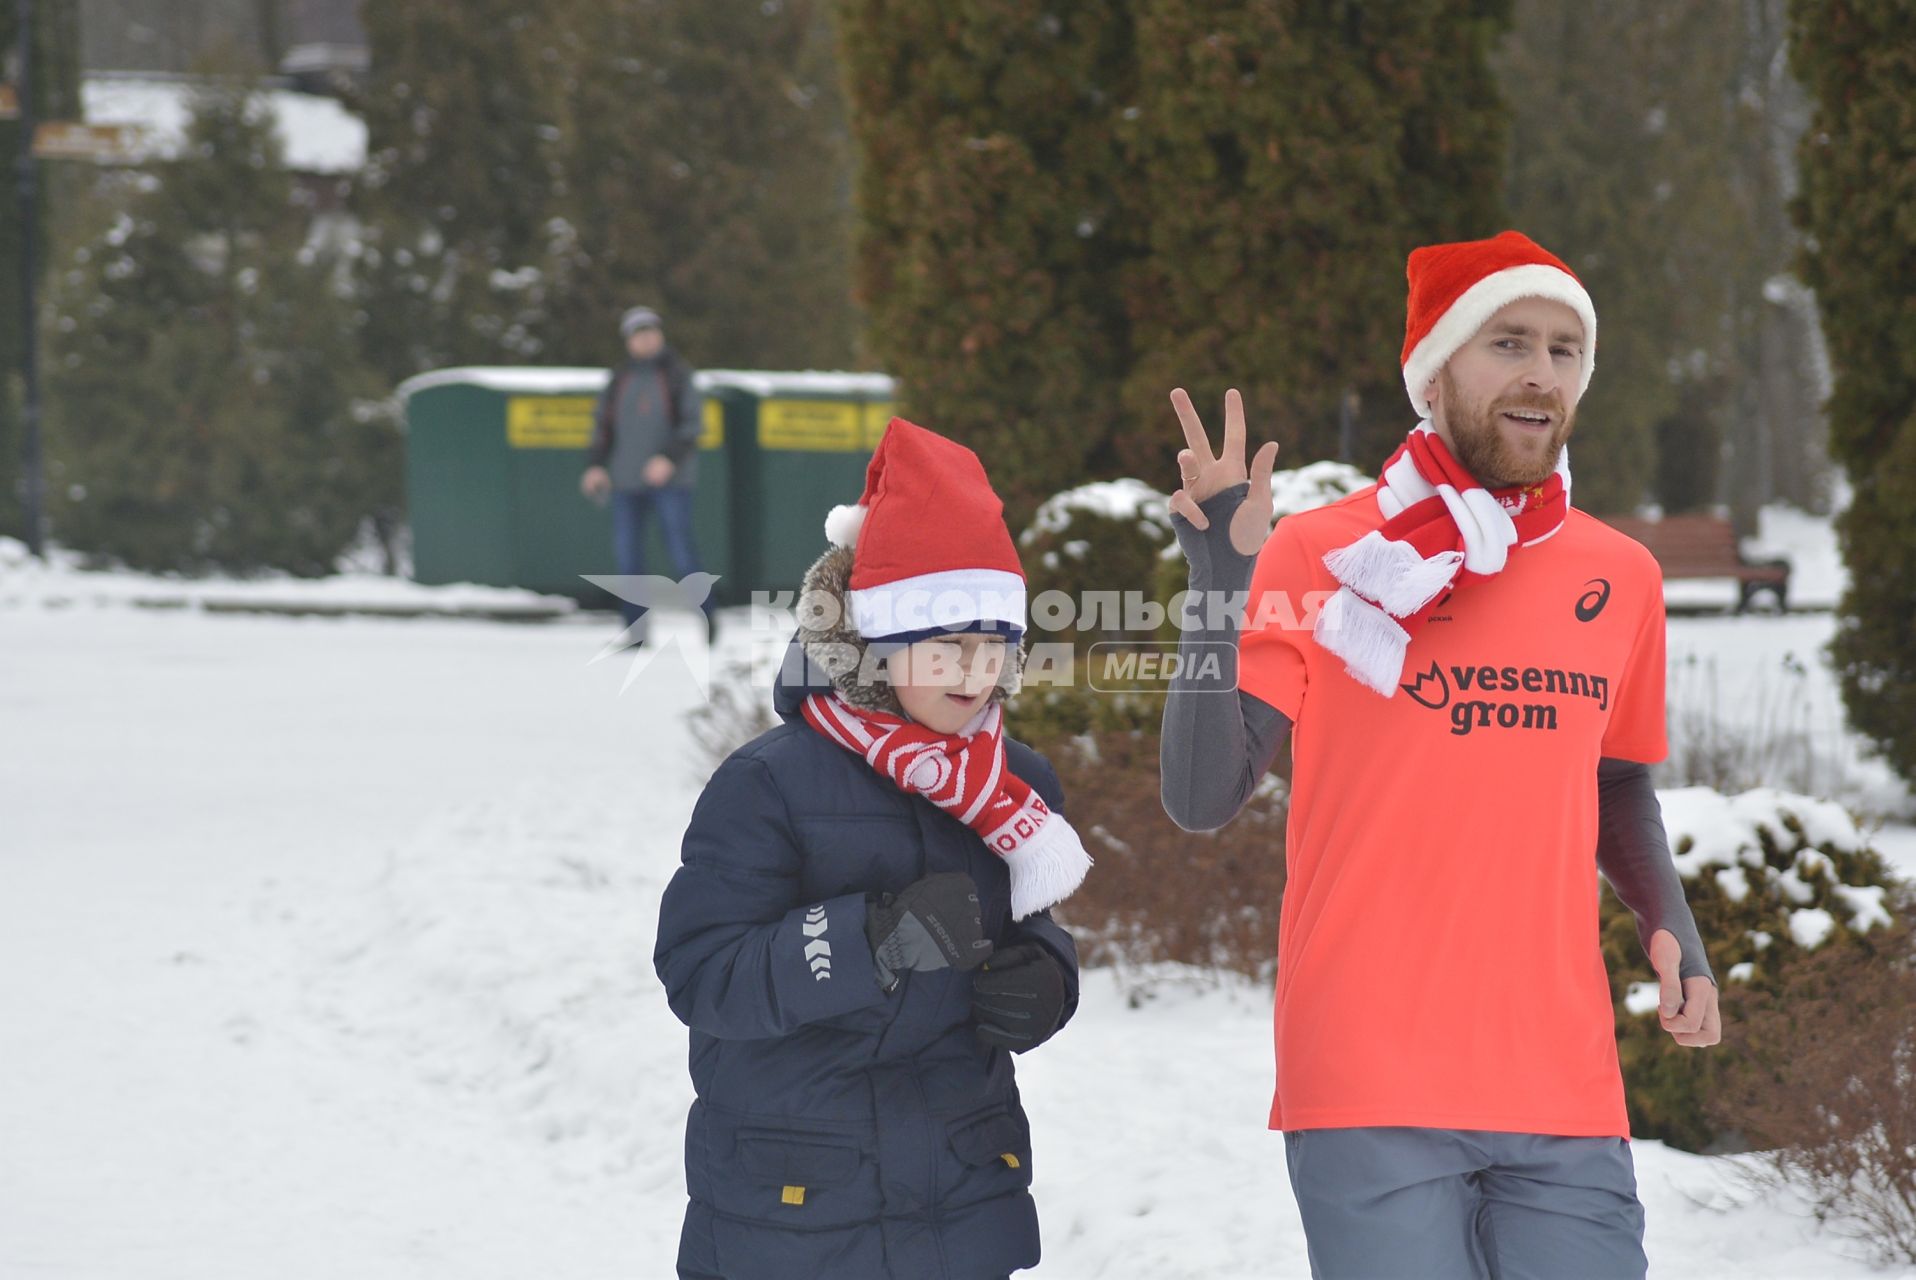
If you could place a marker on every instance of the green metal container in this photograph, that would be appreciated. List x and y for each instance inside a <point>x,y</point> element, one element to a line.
<point>493,458</point>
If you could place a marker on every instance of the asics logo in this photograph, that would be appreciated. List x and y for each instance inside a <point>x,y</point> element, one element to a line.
<point>1591,602</point>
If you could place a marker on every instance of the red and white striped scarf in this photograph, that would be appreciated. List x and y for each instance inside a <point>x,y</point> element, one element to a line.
<point>1442,531</point>
<point>964,774</point>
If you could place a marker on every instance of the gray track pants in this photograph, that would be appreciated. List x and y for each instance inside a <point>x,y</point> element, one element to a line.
<point>1466,1204</point>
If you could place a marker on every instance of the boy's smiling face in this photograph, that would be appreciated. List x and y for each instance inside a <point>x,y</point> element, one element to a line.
<point>944,681</point>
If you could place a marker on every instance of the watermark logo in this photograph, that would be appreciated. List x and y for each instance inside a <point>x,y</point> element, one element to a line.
<point>1110,641</point>
<point>1115,668</point>
<point>653,593</point>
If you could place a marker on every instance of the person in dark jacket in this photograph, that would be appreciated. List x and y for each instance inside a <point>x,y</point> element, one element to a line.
<point>644,456</point>
<point>857,935</point>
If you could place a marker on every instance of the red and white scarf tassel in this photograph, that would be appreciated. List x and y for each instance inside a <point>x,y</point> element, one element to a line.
<point>1390,577</point>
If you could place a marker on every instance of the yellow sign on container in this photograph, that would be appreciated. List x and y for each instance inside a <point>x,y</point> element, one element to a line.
<point>565,422</point>
<point>878,416</point>
<point>549,422</point>
<point>813,425</point>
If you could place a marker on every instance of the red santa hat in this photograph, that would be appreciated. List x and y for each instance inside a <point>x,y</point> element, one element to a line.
<point>1455,288</point>
<point>931,553</point>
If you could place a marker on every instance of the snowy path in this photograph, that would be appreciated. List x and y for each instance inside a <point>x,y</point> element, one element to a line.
<point>184,797</point>
<point>326,953</point>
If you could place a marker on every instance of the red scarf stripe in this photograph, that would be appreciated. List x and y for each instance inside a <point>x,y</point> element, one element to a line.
<point>842,729</point>
<point>989,790</point>
<point>893,747</point>
<point>1419,554</point>
<point>1427,527</point>
<point>1044,856</point>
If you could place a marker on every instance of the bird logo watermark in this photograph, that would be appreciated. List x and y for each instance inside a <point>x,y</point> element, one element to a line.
<point>651,592</point>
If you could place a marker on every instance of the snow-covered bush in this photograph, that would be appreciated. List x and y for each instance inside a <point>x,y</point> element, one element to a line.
<point>1315,484</point>
<point>1115,537</point>
<point>1772,877</point>
<point>1094,545</point>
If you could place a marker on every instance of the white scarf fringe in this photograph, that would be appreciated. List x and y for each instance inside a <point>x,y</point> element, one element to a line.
<point>1392,573</point>
<point>1382,580</point>
<point>1047,868</point>
<point>1369,640</point>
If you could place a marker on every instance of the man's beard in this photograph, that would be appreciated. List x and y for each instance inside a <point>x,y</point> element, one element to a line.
<point>1478,439</point>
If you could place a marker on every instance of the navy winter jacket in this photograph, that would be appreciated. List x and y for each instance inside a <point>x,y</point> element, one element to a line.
<point>839,1132</point>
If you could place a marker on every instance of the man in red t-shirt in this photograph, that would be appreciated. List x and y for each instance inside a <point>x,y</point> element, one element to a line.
<point>1469,672</point>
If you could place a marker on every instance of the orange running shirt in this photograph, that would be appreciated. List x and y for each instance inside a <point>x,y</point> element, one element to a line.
<point>1438,960</point>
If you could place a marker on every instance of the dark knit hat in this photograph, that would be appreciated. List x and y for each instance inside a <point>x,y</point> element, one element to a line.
<point>639,318</point>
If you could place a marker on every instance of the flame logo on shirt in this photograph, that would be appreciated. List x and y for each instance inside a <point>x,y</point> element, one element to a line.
<point>1431,689</point>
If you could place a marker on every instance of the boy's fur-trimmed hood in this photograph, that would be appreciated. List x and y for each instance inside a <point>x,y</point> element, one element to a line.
<point>826,633</point>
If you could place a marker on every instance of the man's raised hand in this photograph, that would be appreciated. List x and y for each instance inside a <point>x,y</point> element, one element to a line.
<point>1202,473</point>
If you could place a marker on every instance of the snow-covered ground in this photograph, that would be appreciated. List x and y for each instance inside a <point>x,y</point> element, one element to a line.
<point>62,582</point>
<point>1759,691</point>
<point>326,947</point>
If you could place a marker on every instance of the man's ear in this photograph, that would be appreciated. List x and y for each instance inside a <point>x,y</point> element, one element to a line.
<point>1431,394</point>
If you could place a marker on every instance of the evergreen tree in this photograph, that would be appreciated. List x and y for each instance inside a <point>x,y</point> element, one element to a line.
<point>1290,156</point>
<point>1652,147</point>
<point>1857,58</point>
<point>705,171</point>
<point>995,224</point>
<point>457,193</point>
<point>206,409</point>
<point>1068,210</point>
<point>56,96</point>
<point>1622,126</point>
<point>1777,444</point>
<point>535,171</point>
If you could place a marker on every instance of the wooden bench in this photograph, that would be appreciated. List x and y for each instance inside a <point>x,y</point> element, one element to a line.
<point>1702,546</point>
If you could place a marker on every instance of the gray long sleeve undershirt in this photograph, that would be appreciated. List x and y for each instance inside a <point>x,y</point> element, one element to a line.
<point>1633,852</point>
<point>1218,742</point>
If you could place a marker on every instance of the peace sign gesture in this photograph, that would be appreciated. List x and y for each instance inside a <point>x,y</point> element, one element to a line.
<point>1203,474</point>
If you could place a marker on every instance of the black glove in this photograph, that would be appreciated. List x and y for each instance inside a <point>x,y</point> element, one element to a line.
<point>1018,999</point>
<point>931,924</point>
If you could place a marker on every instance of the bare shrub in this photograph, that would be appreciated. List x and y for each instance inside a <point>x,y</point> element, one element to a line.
<point>736,710</point>
<point>1761,735</point>
<point>1158,894</point>
<point>1825,1082</point>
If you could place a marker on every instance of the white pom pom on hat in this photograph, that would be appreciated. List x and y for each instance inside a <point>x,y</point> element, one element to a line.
<point>843,524</point>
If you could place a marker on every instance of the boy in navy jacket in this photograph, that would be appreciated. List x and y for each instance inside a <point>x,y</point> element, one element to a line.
<point>857,935</point>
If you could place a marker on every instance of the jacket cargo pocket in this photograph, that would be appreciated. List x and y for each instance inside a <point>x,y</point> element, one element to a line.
<point>803,1178</point>
<point>994,1151</point>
